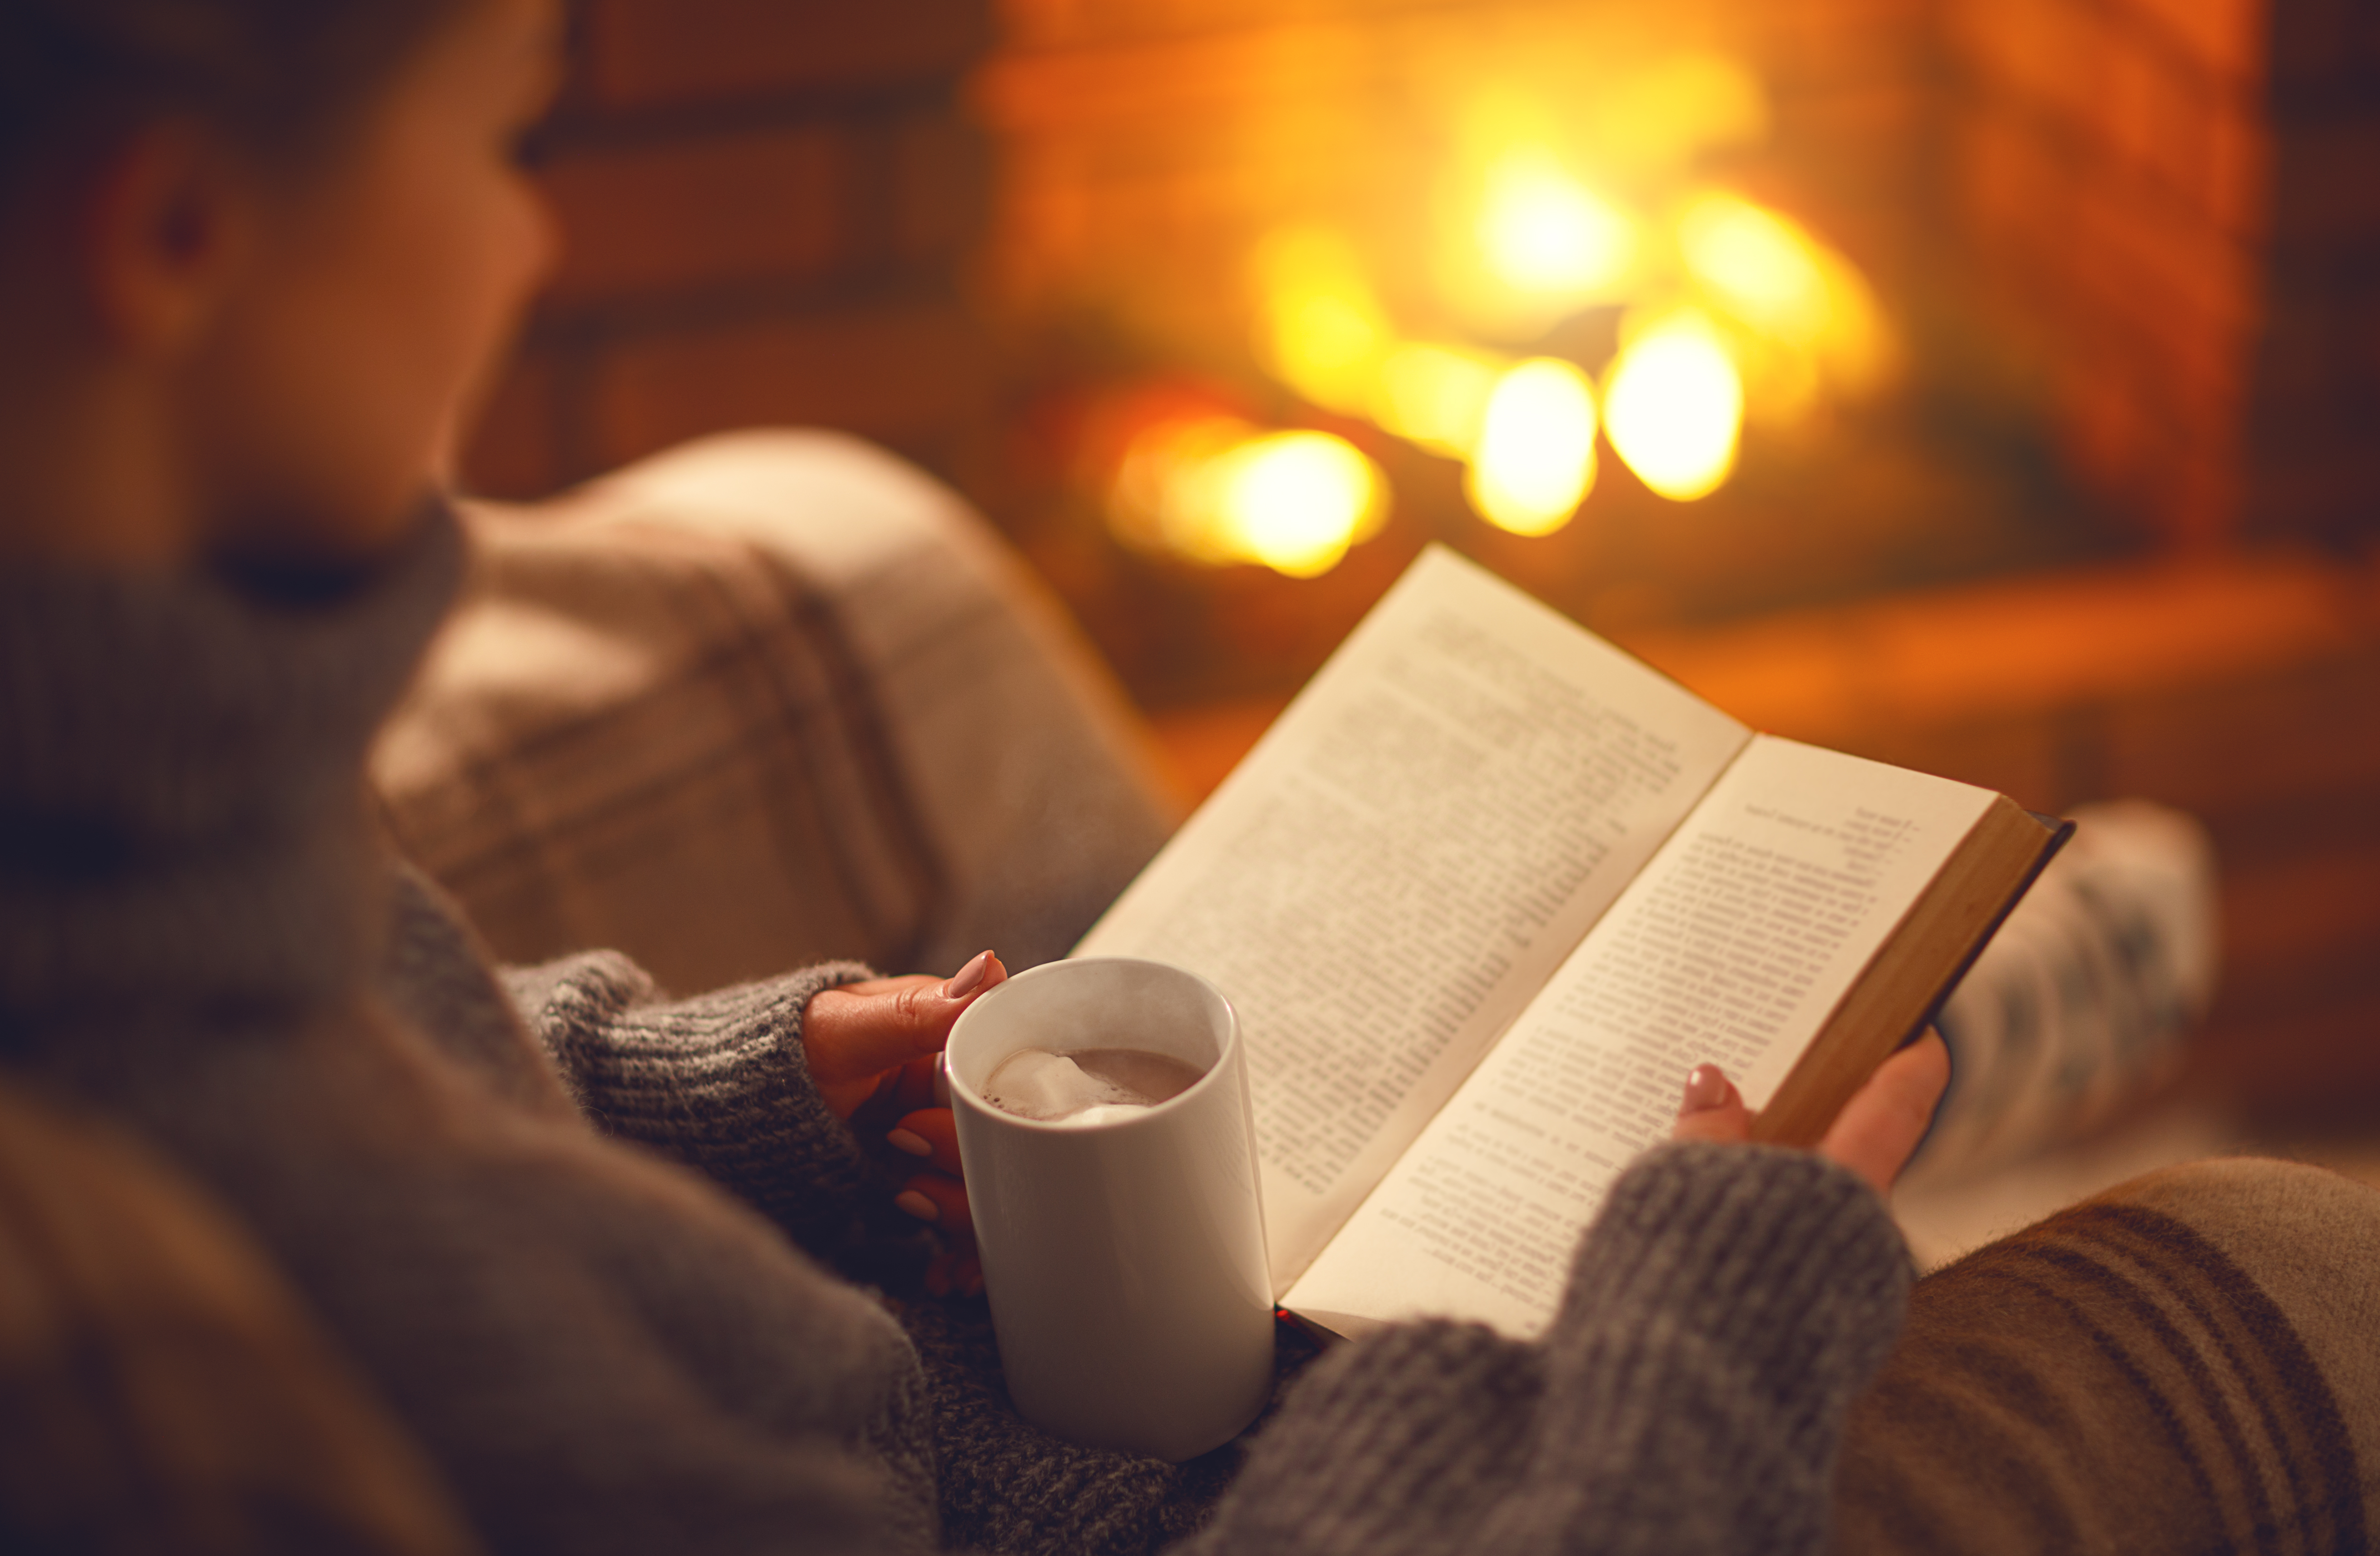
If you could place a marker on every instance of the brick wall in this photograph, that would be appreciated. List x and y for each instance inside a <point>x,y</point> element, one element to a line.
<point>767,206</point>
<point>2175,199</point>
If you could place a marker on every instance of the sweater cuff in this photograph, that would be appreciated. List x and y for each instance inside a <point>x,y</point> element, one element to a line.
<point>1725,1308</point>
<point>1779,1255</point>
<point>718,1082</point>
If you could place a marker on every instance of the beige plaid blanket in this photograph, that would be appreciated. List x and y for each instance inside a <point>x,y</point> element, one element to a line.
<point>762,700</point>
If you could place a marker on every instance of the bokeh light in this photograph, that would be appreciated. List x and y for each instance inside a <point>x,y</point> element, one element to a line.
<point>1733,310</point>
<point>1761,265</point>
<point>1436,396</point>
<point>1297,501</point>
<point>1216,490</point>
<point>1319,327</point>
<point>1535,460</point>
<point>1547,235</point>
<point>1674,405</point>
<point>1773,278</point>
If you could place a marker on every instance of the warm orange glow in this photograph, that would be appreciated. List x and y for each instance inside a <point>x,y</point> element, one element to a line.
<point>1766,272</point>
<point>1657,119</point>
<point>1547,235</point>
<point>1154,501</point>
<point>1534,461</point>
<point>1735,310</point>
<point>1435,395</point>
<point>1219,492</point>
<point>1320,327</point>
<point>1760,263</point>
<point>1525,236</point>
<point>1674,406</point>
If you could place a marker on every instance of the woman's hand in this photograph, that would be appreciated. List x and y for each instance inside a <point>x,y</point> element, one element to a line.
<point>871,1049</point>
<point>1875,1134</point>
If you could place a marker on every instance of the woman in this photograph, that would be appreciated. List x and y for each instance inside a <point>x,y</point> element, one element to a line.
<point>257,254</point>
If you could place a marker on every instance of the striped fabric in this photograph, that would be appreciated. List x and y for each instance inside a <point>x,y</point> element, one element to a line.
<point>766,701</point>
<point>2185,1363</point>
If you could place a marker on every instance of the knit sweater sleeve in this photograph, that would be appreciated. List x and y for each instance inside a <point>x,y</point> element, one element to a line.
<point>717,1082</point>
<point>1725,1309</point>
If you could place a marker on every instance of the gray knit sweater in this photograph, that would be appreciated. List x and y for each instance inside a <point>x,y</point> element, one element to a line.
<point>505,1195</point>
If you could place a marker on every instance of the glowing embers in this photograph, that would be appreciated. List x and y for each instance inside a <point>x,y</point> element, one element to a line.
<point>1535,459</point>
<point>1674,406</point>
<point>1215,490</point>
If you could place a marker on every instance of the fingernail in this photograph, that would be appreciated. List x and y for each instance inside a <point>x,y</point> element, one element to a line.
<point>915,1204</point>
<point>970,978</point>
<point>1706,1087</point>
<point>909,1143</point>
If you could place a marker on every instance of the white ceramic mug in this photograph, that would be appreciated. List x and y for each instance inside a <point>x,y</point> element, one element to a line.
<point>1124,1260</point>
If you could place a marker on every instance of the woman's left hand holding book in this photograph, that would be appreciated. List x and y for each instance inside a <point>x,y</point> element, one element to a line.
<point>1875,1134</point>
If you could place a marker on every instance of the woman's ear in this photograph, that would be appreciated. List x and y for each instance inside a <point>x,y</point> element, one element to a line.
<point>167,219</point>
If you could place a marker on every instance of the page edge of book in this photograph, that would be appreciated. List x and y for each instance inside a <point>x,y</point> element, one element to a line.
<point>2054,836</point>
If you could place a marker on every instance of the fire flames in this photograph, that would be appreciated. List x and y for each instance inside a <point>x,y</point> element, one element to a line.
<point>1727,309</point>
<point>1534,458</point>
<point>1217,489</point>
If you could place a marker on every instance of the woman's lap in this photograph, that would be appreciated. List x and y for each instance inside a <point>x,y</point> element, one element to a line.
<point>2186,1363</point>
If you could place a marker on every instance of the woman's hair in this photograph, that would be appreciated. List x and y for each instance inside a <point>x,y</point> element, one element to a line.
<point>281,76</point>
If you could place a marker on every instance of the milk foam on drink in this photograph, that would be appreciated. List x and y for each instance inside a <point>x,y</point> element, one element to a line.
<point>1086,1086</point>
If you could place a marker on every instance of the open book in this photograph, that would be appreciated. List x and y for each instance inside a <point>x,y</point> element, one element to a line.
<point>1485,892</point>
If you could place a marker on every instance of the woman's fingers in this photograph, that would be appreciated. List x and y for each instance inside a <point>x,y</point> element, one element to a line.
<point>887,1022</point>
<point>1880,1127</point>
<point>1873,1135</point>
<point>931,1134</point>
<point>955,1272</point>
<point>937,1200</point>
<point>915,1086</point>
<point>1712,1110</point>
<point>855,1036</point>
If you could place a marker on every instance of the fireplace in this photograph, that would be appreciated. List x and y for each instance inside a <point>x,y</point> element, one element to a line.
<point>1179,187</point>
<point>2144,228</point>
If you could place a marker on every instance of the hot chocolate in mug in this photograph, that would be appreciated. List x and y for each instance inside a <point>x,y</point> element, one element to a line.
<point>1123,1251</point>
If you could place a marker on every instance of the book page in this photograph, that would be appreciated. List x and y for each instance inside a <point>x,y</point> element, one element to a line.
<point>1733,947</point>
<point>1404,858</point>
